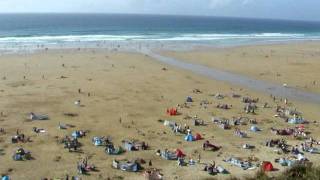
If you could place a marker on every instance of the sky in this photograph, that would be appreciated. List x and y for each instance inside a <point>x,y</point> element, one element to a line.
<point>273,9</point>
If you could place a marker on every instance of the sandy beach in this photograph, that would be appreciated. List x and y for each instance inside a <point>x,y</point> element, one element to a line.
<point>138,90</point>
<point>295,64</point>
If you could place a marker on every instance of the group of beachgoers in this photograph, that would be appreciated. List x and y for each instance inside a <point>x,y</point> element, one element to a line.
<point>72,143</point>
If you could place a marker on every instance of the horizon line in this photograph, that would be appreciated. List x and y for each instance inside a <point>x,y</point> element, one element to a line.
<point>151,14</point>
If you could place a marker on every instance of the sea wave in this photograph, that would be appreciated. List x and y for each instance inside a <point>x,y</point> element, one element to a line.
<point>152,37</point>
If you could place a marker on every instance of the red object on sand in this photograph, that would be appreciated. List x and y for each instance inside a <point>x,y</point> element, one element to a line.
<point>197,137</point>
<point>267,166</point>
<point>172,111</point>
<point>180,154</point>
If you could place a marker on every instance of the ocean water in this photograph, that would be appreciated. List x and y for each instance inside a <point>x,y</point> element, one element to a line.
<point>24,31</point>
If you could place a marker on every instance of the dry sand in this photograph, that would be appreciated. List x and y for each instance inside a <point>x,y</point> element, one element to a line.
<point>132,87</point>
<point>295,64</point>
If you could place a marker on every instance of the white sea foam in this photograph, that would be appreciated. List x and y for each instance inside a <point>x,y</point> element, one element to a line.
<point>152,37</point>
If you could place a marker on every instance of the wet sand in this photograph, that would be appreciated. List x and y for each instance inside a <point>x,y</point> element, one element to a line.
<point>294,64</point>
<point>136,89</point>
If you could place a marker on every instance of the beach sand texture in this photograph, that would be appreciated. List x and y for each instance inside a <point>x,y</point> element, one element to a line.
<point>135,88</point>
<point>295,64</point>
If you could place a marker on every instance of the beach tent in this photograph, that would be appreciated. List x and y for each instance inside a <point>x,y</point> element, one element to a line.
<point>172,111</point>
<point>197,137</point>
<point>189,99</point>
<point>254,128</point>
<point>189,137</point>
<point>179,153</point>
<point>267,166</point>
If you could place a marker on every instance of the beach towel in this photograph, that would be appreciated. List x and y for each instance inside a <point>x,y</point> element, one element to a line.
<point>38,116</point>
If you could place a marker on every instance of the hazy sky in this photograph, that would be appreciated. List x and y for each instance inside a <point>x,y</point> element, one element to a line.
<point>276,9</point>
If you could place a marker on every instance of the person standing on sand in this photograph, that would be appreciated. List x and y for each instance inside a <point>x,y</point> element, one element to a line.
<point>286,101</point>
